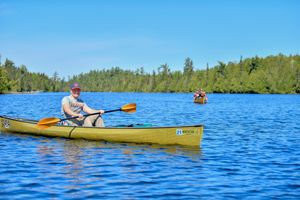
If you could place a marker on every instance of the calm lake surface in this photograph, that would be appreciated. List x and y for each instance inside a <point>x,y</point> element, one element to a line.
<point>250,150</point>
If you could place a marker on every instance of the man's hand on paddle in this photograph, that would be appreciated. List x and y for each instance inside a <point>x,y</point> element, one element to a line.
<point>101,111</point>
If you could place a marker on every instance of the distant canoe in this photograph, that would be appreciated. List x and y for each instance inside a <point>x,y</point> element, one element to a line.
<point>201,100</point>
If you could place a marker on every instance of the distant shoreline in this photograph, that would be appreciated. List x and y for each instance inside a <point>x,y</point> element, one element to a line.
<point>274,74</point>
<point>29,92</point>
<point>36,92</point>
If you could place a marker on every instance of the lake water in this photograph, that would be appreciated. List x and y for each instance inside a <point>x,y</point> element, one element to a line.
<point>250,150</point>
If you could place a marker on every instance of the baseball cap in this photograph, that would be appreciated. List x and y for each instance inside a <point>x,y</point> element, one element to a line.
<point>75,86</point>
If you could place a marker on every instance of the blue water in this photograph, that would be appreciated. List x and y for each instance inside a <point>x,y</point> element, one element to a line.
<point>250,150</point>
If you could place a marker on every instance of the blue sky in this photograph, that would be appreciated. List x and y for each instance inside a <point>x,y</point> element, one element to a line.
<point>71,37</point>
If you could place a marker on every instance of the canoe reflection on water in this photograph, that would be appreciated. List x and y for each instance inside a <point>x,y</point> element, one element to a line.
<point>72,149</point>
<point>73,160</point>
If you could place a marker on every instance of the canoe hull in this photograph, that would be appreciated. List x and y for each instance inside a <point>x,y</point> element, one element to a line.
<point>177,135</point>
<point>200,100</point>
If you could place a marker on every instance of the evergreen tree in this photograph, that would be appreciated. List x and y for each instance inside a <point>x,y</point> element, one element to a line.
<point>4,86</point>
<point>188,67</point>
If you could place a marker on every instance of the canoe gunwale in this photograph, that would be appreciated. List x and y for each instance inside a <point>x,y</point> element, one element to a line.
<point>153,127</point>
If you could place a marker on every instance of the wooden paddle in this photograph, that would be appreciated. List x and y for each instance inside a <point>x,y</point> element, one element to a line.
<point>51,121</point>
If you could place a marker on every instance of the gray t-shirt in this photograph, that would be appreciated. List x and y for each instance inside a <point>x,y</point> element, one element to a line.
<point>71,100</point>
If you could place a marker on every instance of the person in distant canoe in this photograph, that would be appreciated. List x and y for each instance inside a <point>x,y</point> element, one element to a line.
<point>197,94</point>
<point>72,106</point>
<point>203,94</point>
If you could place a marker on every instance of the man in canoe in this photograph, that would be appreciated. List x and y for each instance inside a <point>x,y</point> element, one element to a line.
<point>72,106</point>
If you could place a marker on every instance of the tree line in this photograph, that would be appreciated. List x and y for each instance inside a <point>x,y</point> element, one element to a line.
<point>271,74</point>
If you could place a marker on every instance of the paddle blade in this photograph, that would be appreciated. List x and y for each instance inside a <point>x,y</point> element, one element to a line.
<point>130,108</point>
<point>47,122</point>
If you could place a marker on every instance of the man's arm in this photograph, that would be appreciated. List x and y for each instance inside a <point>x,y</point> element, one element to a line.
<point>90,110</point>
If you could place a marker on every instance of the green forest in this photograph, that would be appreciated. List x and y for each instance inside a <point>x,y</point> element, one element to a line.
<point>271,74</point>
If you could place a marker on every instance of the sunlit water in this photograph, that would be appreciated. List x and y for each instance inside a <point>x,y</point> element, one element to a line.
<point>250,150</point>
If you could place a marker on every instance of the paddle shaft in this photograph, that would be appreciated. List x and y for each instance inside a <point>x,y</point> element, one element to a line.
<point>97,113</point>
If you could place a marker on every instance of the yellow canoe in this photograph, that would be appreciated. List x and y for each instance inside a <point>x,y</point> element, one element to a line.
<point>176,135</point>
<point>200,100</point>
